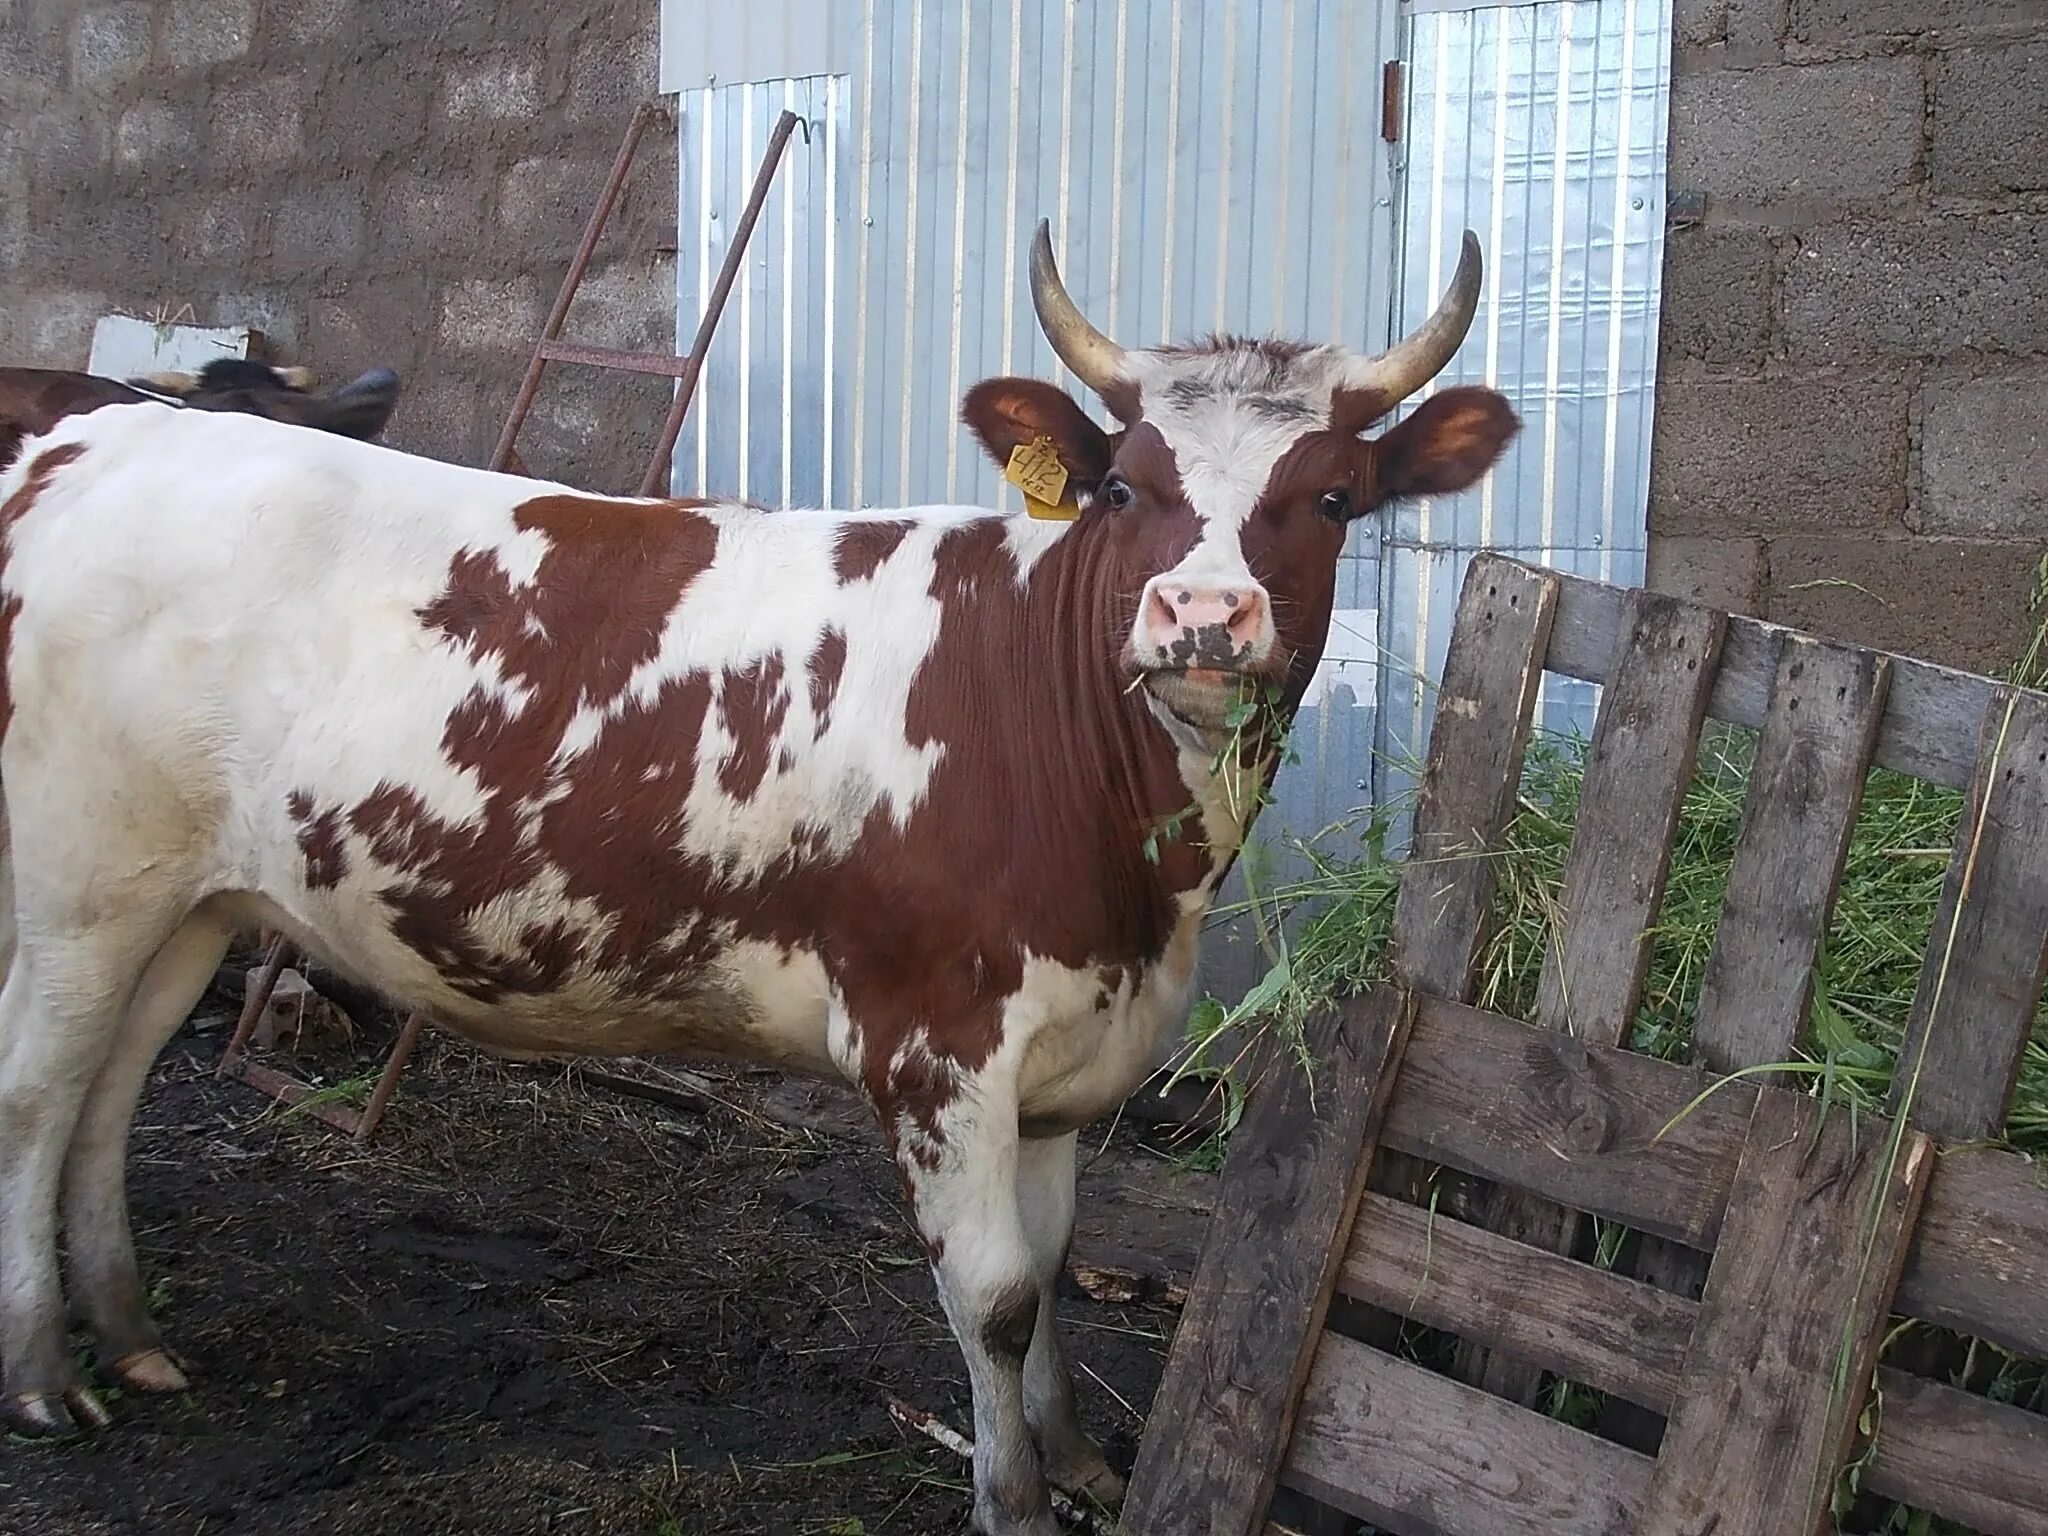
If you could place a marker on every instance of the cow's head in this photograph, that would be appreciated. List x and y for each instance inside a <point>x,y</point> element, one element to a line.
<point>1239,466</point>
<point>359,408</point>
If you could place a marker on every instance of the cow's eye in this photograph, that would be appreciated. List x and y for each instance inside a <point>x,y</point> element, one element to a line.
<point>1335,505</point>
<point>1117,492</point>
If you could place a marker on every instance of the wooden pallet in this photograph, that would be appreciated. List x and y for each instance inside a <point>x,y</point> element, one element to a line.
<point>1808,1232</point>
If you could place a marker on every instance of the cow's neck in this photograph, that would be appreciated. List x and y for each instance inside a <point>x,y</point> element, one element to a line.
<point>1183,809</point>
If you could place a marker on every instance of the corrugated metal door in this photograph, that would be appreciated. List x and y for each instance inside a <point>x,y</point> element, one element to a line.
<point>1542,127</point>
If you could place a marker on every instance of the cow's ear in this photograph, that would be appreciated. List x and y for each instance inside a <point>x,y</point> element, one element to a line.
<point>1008,413</point>
<point>1452,439</point>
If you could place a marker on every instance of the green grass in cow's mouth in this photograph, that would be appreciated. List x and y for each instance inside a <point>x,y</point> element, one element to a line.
<point>1205,698</point>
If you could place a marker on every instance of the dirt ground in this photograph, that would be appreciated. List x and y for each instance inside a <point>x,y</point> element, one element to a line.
<point>536,1306</point>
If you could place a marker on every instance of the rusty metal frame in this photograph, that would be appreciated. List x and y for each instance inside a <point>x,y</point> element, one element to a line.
<point>686,370</point>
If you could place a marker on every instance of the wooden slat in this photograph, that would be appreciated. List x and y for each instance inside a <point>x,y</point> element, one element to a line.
<point>1989,948</point>
<point>1290,1187</point>
<point>1483,711</point>
<point>1637,768</point>
<point>1638,765</point>
<point>1415,1452</point>
<point>1930,720</point>
<point>1767,1405</point>
<point>1961,1457</point>
<point>1584,1323</point>
<point>1980,1250</point>
<point>1575,1123</point>
<point>1805,788</point>
<point>1949,1452</point>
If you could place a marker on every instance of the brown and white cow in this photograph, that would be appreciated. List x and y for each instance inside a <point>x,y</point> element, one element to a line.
<point>33,400</point>
<point>861,793</point>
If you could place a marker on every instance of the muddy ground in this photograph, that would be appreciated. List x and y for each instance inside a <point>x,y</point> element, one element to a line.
<point>535,1305</point>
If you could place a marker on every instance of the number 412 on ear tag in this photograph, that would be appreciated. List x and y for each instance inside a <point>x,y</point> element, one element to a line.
<point>1036,470</point>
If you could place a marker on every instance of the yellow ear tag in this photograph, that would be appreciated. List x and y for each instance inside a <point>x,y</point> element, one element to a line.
<point>1036,470</point>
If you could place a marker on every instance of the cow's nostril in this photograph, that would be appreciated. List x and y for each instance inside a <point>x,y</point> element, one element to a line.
<point>1164,610</point>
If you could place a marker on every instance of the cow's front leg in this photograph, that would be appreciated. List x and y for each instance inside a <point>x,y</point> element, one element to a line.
<point>960,1162</point>
<point>1045,1197</point>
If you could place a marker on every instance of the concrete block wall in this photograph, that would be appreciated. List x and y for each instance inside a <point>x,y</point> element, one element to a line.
<point>1852,425</point>
<point>369,181</point>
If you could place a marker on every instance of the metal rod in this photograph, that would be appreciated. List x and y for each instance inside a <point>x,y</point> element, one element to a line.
<point>686,388</point>
<point>291,1094</point>
<point>387,1082</point>
<point>578,265</point>
<point>253,1005</point>
<point>614,357</point>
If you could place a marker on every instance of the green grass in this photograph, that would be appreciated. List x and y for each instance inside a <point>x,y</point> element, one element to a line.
<point>1863,988</point>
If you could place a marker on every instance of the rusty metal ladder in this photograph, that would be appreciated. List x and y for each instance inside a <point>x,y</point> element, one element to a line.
<point>685,369</point>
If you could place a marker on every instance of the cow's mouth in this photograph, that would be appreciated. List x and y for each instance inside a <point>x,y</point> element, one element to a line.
<point>1206,699</point>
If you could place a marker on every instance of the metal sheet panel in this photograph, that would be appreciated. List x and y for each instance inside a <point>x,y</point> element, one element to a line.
<point>715,42</point>
<point>1542,128</point>
<point>1205,164</point>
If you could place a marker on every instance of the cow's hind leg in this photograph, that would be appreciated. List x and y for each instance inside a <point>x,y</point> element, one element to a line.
<point>963,1186</point>
<point>60,1014</point>
<point>1045,1196</point>
<point>106,1285</point>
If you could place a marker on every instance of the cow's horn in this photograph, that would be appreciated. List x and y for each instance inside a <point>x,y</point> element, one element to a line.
<point>1420,356</point>
<point>296,378</point>
<point>176,383</point>
<point>1096,361</point>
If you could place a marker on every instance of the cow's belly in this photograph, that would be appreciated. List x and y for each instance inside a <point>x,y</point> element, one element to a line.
<point>734,1000</point>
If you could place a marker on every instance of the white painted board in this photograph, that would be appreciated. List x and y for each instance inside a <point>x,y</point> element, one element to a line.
<point>124,347</point>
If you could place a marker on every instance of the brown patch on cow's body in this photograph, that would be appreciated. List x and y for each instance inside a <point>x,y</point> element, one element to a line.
<point>34,482</point>
<point>827,665</point>
<point>322,843</point>
<point>755,704</point>
<point>571,638</point>
<point>863,546</point>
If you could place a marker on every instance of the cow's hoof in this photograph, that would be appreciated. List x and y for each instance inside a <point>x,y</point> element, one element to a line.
<point>87,1411</point>
<point>1102,1486</point>
<point>40,1415</point>
<point>150,1370</point>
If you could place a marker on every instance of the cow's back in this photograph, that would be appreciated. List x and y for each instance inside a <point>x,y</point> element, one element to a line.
<point>554,767</point>
<point>198,584</point>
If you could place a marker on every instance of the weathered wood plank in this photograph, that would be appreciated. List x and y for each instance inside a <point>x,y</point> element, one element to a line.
<point>1805,788</point>
<point>1575,1123</point>
<point>1957,1455</point>
<point>1290,1187</point>
<point>1962,1457</point>
<point>1979,1259</point>
<point>1788,1328</point>
<point>1412,1451</point>
<point>1988,953</point>
<point>1584,1323</point>
<point>1638,765</point>
<point>1930,720</point>
<point>1485,706</point>
<point>1483,712</point>
<point>1637,768</point>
